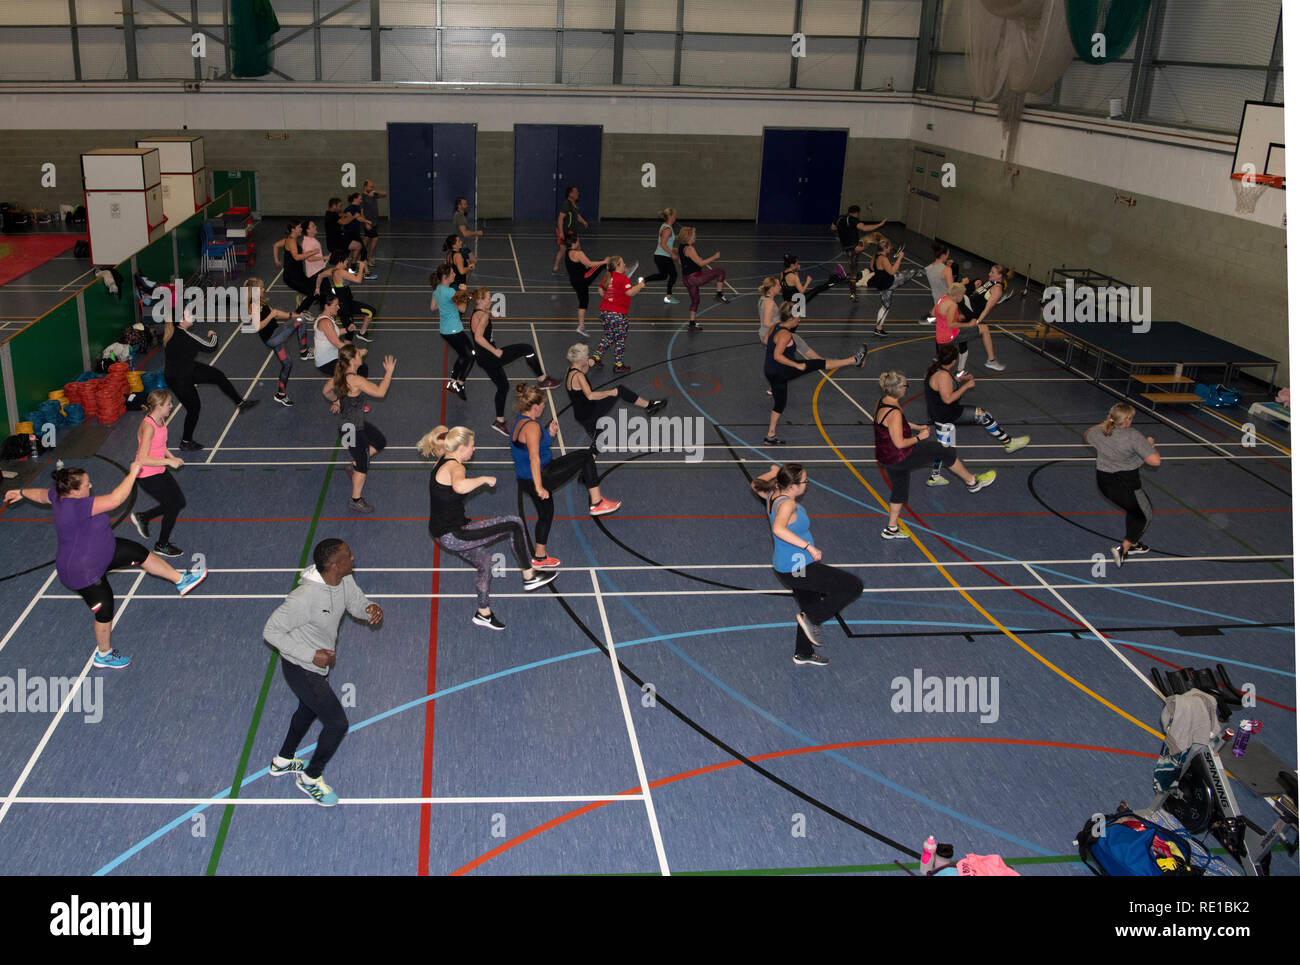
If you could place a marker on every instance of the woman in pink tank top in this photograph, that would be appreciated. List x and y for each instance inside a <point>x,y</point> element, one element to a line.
<point>155,479</point>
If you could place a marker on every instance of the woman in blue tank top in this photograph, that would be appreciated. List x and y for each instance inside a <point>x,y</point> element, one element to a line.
<point>820,590</point>
<point>539,473</point>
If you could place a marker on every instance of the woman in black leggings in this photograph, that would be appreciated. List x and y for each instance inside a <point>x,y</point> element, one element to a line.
<point>347,391</point>
<point>582,273</point>
<point>336,281</point>
<point>820,590</point>
<point>538,473</point>
<point>295,275</point>
<point>590,405</point>
<point>899,453</point>
<point>781,365</point>
<point>155,478</point>
<point>493,360</point>
<point>792,284</point>
<point>470,539</point>
<point>1122,451</point>
<point>183,374</point>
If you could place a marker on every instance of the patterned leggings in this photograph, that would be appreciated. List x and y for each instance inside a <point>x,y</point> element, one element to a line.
<point>615,326</point>
<point>472,540</point>
<point>276,344</point>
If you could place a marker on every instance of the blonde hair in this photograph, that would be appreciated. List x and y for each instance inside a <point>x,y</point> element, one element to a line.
<point>893,384</point>
<point>686,236</point>
<point>443,441</point>
<point>156,398</point>
<point>577,352</point>
<point>1120,415</point>
<point>527,395</point>
<point>957,291</point>
<point>465,297</point>
<point>786,311</point>
<point>257,284</point>
<point>663,215</point>
<point>768,285</point>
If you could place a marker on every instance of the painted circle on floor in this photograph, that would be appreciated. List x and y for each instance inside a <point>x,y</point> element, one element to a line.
<point>692,383</point>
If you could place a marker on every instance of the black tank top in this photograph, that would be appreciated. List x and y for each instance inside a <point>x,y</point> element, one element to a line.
<point>936,408</point>
<point>446,506</point>
<point>577,271</point>
<point>979,296</point>
<point>689,265</point>
<point>882,279</point>
<point>770,365</point>
<point>582,406</point>
<point>788,291</point>
<point>846,225</point>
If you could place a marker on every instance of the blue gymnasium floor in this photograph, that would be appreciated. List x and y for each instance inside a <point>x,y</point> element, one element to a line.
<point>534,751</point>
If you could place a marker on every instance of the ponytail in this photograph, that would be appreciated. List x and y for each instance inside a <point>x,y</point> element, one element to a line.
<point>442,441</point>
<point>1121,413</point>
<point>787,476</point>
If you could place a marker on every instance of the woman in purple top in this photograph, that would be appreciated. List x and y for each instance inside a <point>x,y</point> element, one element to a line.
<point>87,549</point>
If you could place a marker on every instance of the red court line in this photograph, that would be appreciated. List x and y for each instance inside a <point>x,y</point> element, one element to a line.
<point>1227,435</point>
<point>426,769</point>
<point>774,755</point>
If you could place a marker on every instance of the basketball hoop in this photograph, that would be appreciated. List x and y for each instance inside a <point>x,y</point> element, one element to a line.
<point>1250,187</point>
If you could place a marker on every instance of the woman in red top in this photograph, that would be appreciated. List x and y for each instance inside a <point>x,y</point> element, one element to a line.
<point>618,289</point>
<point>899,452</point>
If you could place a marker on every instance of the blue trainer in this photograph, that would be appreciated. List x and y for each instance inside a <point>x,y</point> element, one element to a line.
<point>190,580</point>
<point>318,790</point>
<point>111,660</point>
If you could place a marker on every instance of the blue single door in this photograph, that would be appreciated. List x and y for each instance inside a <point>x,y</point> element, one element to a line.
<point>455,168</point>
<point>536,150</point>
<point>578,164</point>
<point>825,152</point>
<point>802,176</point>
<point>410,172</point>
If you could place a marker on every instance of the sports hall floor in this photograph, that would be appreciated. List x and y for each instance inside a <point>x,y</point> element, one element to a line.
<point>533,750</point>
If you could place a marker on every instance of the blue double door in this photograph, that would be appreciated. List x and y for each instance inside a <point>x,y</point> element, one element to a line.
<point>429,167</point>
<point>802,177</point>
<point>549,158</point>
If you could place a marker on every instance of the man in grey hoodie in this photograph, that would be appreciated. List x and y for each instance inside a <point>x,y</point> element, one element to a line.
<point>305,629</point>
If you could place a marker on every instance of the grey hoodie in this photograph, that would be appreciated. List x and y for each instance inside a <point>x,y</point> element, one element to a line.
<point>308,620</point>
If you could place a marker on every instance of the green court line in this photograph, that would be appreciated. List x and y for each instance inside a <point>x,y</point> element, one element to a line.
<point>1232,536</point>
<point>229,812</point>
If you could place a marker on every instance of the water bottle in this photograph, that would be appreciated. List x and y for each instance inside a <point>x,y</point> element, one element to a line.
<point>1244,730</point>
<point>942,857</point>
<point>927,854</point>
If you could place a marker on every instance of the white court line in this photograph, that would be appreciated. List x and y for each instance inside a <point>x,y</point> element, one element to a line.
<point>1088,561</point>
<point>515,255</point>
<point>631,729</point>
<point>73,691</point>
<point>1095,632</point>
<point>235,414</point>
<point>31,604</point>
<point>77,279</point>
<point>191,801</point>
<point>775,590</point>
<point>1208,410</point>
<point>684,463</point>
<point>559,435</point>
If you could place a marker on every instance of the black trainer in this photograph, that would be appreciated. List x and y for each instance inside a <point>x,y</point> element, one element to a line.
<point>490,621</point>
<point>248,404</point>
<point>1137,549</point>
<point>190,445</point>
<point>655,405</point>
<point>167,549</point>
<point>816,659</point>
<point>773,441</point>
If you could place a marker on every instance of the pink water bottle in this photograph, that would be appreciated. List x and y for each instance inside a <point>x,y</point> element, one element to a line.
<point>927,854</point>
<point>1244,730</point>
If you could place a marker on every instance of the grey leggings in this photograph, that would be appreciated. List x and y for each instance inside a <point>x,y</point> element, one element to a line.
<point>472,540</point>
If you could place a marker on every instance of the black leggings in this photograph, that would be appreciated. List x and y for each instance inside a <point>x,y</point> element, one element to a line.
<point>582,289</point>
<point>367,438</point>
<point>496,371</point>
<point>602,407</point>
<point>99,595</point>
<point>169,497</point>
<point>315,699</point>
<point>465,356</point>
<point>928,451</point>
<point>1124,489</point>
<point>821,592</point>
<point>185,390</point>
<point>781,380</point>
<point>554,475</point>
<point>666,270</point>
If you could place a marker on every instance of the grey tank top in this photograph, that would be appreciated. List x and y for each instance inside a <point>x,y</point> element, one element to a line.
<point>352,411</point>
<point>934,275</point>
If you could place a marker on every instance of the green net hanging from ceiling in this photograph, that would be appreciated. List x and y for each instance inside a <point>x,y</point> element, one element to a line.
<point>252,25</point>
<point>1117,23</point>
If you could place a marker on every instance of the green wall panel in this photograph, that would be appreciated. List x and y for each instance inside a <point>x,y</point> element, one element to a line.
<point>46,355</point>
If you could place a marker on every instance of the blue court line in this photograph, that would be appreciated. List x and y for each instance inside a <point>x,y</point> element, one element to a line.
<point>222,796</point>
<point>773,719</point>
<point>926,529</point>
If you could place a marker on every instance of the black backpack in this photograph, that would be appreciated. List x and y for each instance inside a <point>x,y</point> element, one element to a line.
<point>81,249</point>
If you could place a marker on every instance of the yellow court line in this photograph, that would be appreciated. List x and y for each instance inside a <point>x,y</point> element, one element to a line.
<point>1275,445</point>
<point>957,586</point>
